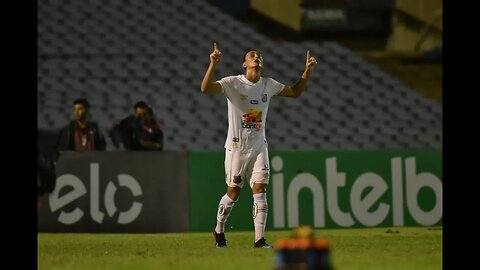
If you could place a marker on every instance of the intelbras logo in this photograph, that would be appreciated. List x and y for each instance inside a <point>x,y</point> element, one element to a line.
<point>76,189</point>
<point>371,198</point>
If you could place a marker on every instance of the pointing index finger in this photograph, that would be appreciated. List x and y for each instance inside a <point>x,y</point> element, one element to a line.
<point>308,54</point>
<point>215,48</point>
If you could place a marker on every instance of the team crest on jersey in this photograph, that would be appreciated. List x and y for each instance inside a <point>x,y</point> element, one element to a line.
<point>264,98</point>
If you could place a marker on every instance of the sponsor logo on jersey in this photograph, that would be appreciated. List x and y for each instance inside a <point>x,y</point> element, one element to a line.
<point>252,119</point>
<point>253,101</point>
<point>236,142</point>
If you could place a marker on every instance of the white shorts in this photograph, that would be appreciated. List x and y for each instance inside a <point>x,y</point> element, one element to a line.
<point>252,166</point>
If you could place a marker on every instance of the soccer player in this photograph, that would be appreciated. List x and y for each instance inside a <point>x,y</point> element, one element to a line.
<point>246,154</point>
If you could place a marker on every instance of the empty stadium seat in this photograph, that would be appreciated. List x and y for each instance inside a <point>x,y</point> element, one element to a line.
<point>118,52</point>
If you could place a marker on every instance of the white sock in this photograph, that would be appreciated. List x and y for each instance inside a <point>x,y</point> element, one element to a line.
<point>260,210</point>
<point>224,208</point>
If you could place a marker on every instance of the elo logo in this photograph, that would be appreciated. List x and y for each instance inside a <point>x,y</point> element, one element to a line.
<point>69,180</point>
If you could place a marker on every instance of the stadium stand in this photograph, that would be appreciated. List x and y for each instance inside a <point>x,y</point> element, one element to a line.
<point>115,53</point>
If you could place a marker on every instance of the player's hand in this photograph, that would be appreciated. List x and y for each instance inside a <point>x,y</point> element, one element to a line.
<point>311,61</point>
<point>216,54</point>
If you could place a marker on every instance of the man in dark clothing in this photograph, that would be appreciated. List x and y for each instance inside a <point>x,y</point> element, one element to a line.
<point>150,133</point>
<point>139,131</point>
<point>129,125</point>
<point>81,135</point>
<point>46,174</point>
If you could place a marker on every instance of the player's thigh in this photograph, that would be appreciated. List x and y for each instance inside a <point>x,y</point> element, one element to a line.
<point>260,172</point>
<point>235,167</point>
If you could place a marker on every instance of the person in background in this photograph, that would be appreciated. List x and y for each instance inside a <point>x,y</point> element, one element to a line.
<point>46,171</point>
<point>150,133</point>
<point>124,131</point>
<point>139,131</point>
<point>81,135</point>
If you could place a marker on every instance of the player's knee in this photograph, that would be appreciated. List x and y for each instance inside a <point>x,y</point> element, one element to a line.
<point>233,193</point>
<point>234,196</point>
<point>259,188</point>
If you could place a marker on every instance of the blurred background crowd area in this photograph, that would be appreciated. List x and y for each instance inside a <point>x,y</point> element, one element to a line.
<point>377,85</point>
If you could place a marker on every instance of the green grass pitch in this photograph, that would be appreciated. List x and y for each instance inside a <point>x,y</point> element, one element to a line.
<point>351,249</point>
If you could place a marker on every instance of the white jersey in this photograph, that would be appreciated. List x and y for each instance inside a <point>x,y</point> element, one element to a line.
<point>247,110</point>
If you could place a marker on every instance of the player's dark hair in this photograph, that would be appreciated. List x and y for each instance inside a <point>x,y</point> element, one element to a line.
<point>140,104</point>
<point>82,101</point>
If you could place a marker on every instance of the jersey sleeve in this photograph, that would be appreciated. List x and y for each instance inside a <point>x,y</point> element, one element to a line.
<point>226,84</point>
<point>275,87</point>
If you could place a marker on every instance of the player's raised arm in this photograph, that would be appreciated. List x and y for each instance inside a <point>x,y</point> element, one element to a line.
<point>208,85</point>
<point>297,89</point>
